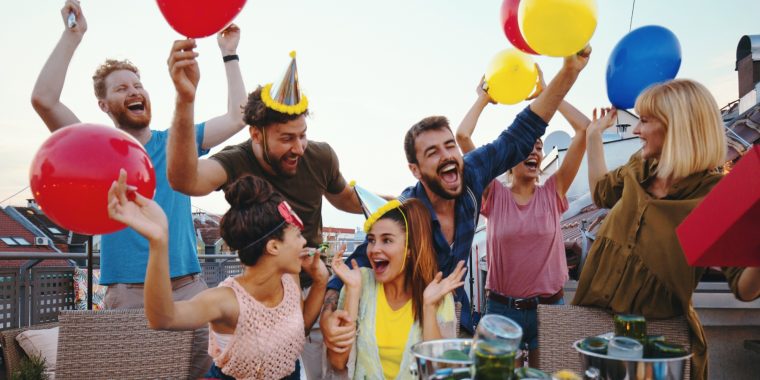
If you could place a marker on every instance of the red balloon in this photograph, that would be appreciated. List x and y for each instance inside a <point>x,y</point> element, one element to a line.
<point>74,168</point>
<point>199,18</point>
<point>511,26</point>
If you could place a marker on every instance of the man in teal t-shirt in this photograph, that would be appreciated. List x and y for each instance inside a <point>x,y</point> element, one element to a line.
<point>121,95</point>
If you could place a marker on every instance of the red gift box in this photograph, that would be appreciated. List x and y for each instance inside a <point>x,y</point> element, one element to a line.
<point>724,230</point>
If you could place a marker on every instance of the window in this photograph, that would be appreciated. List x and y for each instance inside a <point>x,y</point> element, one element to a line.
<point>21,241</point>
<point>8,241</point>
<point>54,230</point>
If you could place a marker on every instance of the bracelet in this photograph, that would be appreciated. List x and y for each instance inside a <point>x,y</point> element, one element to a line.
<point>231,57</point>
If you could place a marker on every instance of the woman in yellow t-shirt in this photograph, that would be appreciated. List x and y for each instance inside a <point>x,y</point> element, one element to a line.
<point>401,300</point>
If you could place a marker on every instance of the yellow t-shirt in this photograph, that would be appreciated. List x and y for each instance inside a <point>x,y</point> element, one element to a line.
<point>391,332</point>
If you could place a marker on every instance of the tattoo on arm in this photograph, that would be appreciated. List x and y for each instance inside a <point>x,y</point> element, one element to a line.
<point>331,300</point>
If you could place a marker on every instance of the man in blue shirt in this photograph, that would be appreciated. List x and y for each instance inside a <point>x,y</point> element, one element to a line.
<point>451,186</point>
<point>121,95</point>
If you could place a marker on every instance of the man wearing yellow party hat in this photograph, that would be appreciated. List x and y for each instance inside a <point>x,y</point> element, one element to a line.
<point>303,171</point>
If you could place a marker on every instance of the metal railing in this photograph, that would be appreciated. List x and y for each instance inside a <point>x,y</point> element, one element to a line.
<point>31,294</point>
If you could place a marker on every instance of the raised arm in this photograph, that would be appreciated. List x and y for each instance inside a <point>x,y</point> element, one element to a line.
<point>186,173</point>
<point>46,95</point>
<point>317,270</point>
<point>467,126</point>
<point>572,162</point>
<point>434,293</point>
<point>338,356</point>
<point>224,126</point>
<point>547,103</point>
<point>147,218</point>
<point>346,200</point>
<point>597,167</point>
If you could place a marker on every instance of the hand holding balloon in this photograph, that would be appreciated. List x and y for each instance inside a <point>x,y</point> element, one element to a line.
<point>184,69</point>
<point>228,39</point>
<point>73,18</point>
<point>511,76</point>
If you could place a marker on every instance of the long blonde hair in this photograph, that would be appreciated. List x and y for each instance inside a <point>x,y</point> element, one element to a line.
<point>694,136</point>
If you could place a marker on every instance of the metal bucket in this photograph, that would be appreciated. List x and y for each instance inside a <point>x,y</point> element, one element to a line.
<point>441,359</point>
<point>596,366</point>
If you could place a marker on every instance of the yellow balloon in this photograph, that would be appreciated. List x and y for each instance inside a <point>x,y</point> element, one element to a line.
<point>511,76</point>
<point>557,28</point>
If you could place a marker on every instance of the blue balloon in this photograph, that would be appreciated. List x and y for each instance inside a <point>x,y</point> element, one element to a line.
<point>645,56</point>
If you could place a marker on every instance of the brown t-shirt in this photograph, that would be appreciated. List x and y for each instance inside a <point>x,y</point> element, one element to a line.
<point>318,173</point>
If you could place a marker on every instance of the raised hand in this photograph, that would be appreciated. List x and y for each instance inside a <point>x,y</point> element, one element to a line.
<point>438,288</point>
<point>482,92</point>
<point>540,84</point>
<point>144,215</point>
<point>578,61</point>
<point>72,6</point>
<point>228,39</point>
<point>606,119</point>
<point>351,277</point>
<point>183,69</point>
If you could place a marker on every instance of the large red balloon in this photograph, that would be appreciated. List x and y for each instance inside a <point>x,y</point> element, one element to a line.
<point>511,26</point>
<point>199,18</point>
<point>74,168</point>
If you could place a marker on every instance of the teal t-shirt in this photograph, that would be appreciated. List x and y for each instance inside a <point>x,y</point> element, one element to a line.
<point>124,254</point>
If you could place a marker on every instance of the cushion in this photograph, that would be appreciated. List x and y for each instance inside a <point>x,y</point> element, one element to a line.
<point>43,343</point>
<point>80,289</point>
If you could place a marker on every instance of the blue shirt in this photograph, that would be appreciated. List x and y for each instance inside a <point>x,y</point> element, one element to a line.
<point>481,166</point>
<point>124,254</point>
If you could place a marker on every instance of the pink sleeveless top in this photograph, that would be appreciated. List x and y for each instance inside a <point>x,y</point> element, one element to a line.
<point>267,341</point>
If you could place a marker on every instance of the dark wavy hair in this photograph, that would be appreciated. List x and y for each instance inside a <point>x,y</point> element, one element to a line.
<point>257,114</point>
<point>252,214</point>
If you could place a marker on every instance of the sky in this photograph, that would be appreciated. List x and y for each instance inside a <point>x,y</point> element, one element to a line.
<point>370,70</point>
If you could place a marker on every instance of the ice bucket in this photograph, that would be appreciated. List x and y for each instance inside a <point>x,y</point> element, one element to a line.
<point>596,366</point>
<point>442,359</point>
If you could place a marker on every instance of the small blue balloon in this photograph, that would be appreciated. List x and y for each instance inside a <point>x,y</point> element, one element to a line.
<point>645,56</point>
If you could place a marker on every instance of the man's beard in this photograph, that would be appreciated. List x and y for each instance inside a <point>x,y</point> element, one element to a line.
<point>434,184</point>
<point>276,164</point>
<point>127,122</point>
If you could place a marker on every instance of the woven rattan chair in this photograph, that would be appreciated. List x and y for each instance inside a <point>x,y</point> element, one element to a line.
<point>12,352</point>
<point>561,325</point>
<point>118,344</point>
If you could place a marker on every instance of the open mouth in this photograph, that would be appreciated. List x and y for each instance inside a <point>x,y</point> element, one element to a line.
<point>531,163</point>
<point>449,173</point>
<point>380,265</point>
<point>291,160</point>
<point>136,106</point>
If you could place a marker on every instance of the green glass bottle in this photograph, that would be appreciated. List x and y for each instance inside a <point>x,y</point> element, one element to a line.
<point>648,353</point>
<point>493,365</point>
<point>631,326</point>
<point>525,373</point>
<point>595,344</point>
<point>668,350</point>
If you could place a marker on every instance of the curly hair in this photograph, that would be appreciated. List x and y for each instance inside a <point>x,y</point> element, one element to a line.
<point>105,69</point>
<point>257,114</point>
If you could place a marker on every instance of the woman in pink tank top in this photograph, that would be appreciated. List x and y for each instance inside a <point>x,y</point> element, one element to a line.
<point>257,318</point>
<point>525,248</point>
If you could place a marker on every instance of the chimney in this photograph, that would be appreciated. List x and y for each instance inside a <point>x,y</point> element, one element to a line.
<point>748,68</point>
<point>31,203</point>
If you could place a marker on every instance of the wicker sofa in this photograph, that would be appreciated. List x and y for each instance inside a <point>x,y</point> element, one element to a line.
<point>110,344</point>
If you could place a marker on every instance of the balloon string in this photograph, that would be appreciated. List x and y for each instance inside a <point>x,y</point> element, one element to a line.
<point>631,22</point>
